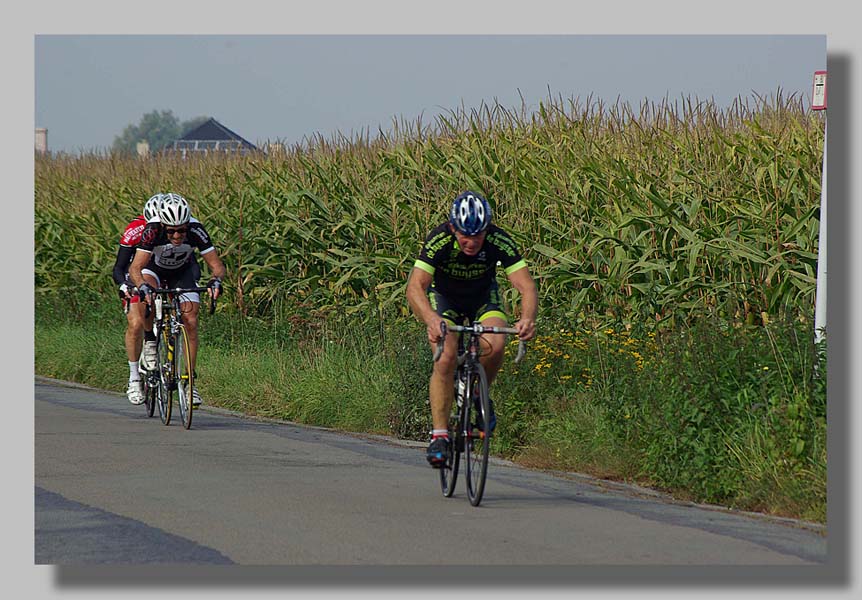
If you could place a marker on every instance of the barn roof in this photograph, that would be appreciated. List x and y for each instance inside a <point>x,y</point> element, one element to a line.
<point>212,135</point>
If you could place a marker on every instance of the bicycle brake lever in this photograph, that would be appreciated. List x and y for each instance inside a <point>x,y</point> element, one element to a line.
<point>522,349</point>
<point>441,342</point>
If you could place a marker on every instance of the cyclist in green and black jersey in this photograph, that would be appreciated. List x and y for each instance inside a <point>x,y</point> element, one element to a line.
<point>455,277</point>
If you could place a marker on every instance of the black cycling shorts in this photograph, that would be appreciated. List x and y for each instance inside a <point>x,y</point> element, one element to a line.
<point>184,277</point>
<point>489,305</point>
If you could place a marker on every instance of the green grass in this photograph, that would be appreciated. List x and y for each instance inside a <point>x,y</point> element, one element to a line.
<point>713,413</point>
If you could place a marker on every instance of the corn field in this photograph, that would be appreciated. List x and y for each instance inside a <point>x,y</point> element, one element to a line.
<point>649,215</point>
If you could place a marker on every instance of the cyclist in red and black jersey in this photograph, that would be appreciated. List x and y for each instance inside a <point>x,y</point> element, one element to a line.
<point>454,277</point>
<point>135,314</point>
<point>165,257</point>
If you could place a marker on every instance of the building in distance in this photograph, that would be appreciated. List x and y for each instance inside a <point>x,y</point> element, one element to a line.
<point>210,136</point>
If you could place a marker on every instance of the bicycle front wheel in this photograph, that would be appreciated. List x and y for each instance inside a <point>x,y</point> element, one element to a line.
<point>185,377</point>
<point>165,375</point>
<point>449,469</point>
<point>151,392</point>
<point>477,442</point>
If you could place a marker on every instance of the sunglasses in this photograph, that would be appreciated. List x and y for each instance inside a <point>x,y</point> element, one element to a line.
<point>174,230</point>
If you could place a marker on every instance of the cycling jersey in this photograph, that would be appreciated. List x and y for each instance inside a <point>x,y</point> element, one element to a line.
<point>128,242</point>
<point>132,235</point>
<point>168,257</point>
<point>130,238</point>
<point>462,279</point>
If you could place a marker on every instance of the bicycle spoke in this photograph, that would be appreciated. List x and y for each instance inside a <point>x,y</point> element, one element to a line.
<point>449,470</point>
<point>185,377</point>
<point>478,442</point>
<point>164,375</point>
<point>151,392</point>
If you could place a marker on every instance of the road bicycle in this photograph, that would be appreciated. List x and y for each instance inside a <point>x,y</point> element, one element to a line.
<point>173,371</point>
<point>471,410</point>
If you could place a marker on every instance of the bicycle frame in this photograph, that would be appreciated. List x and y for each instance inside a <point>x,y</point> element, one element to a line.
<point>471,391</point>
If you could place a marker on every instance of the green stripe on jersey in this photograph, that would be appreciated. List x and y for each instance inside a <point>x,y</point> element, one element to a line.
<point>518,265</point>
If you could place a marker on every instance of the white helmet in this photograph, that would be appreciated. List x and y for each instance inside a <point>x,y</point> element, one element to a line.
<point>174,210</point>
<point>151,208</point>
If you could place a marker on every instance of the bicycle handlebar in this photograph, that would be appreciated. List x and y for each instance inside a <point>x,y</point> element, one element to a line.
<point>479,329</point>
<point>179,291</point>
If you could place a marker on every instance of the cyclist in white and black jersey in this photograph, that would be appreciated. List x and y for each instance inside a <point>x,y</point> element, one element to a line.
<point>165,257</point>
<point>454,277</point>
<point>135,333</point>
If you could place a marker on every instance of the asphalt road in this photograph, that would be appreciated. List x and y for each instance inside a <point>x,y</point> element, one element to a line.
<point>115,487</point>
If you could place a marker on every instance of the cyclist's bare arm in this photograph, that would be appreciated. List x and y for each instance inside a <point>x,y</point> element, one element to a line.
<point>216,267</point>
<point>523,282</point>
<point>417,297</point>
<point>142,257</point>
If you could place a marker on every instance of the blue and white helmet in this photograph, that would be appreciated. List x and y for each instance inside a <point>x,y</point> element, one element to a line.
<point>174,210</point>
<point>470,213</point>
<point>151,208</point>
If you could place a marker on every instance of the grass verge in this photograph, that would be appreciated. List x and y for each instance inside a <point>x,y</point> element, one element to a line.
<point>711,414</point>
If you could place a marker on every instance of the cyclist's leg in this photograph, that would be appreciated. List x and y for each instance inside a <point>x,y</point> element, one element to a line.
<point>134,329</point>
<point>189,304</point>
<point>491,314</point>
<point>190,308</point>
<point>133,339</point>
<point>134,335</point>
<point>153,277</point>
<point>440,388</point>
<point>149,346</point>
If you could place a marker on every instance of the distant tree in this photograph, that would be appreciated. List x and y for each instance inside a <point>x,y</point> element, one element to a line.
<point>157,128</point>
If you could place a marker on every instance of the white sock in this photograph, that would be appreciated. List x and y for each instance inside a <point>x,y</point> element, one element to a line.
<point>134,374</point>
<point>435,433</point>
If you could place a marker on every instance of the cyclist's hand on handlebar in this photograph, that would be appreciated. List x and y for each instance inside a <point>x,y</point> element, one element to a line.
<point>214,286</point>
<point>145,291</point>
<point>434,331</point>
<point>125,290</point>
<point>526,329</point>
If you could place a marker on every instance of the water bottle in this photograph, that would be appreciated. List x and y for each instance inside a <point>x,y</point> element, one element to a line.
<point>157,309</point>
<point>462,390</point>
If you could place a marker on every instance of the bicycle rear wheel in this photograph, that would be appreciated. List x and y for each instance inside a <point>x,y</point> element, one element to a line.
<point>449,470</point>
<point>185,377</point>
<point>165,375</point>
<point>477,442</point>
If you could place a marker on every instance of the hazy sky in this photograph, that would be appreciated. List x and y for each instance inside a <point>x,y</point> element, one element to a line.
<point>88,88</point>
